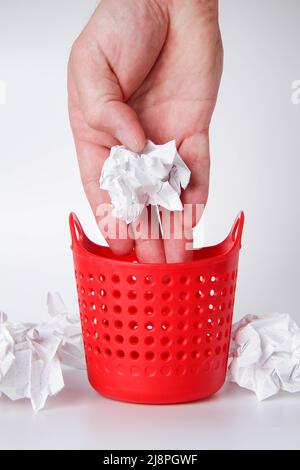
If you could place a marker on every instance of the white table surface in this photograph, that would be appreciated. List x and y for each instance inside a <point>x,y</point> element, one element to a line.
<point>79,418</point>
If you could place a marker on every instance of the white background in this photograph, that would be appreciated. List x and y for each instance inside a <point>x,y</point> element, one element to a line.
<point>255,144</point>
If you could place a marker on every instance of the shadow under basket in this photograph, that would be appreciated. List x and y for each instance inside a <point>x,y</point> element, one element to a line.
<point>156,333</point>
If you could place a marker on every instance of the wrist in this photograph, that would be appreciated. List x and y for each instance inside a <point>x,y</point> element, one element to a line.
<point>208,8</point>
<point>204,4</point>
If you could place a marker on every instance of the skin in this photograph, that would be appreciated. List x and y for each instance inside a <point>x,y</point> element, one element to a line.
<point>146,69</point>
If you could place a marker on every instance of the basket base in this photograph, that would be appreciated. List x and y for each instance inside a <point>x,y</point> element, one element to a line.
<point>151,394</point>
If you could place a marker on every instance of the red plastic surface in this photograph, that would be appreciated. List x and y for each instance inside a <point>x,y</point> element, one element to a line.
<point>156,333</point>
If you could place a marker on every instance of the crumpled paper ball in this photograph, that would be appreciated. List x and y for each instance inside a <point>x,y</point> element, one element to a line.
<point>265,354</point>
<point>31,355</point>
<point>134,181</point>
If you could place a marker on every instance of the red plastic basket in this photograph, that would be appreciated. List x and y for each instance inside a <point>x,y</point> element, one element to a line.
<point>156,333</point>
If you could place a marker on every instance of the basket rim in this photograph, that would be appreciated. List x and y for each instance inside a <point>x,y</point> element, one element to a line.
<point>224,249</point>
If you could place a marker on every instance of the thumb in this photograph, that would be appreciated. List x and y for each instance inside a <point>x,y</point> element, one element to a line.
<point>122,122</point>
<point>101,97</point>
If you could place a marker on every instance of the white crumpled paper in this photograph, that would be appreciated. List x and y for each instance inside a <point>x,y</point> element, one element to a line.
<point>154,177</point>
<point>265,354</point>
<point>31,355</point>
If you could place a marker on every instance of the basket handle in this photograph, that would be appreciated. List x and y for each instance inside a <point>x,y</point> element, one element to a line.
<point>235,234</point>
<point>76,229</point>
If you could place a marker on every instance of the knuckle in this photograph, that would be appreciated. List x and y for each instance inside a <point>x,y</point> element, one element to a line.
<point>92,117</point>
<point>76,50</point>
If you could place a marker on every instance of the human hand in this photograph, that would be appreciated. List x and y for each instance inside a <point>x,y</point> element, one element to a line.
<point>146,69</point>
